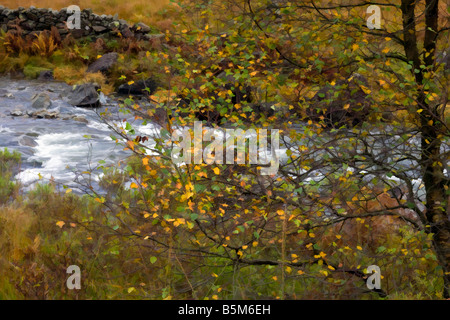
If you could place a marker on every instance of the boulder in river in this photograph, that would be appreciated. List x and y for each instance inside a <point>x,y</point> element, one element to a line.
<point>103,64</point>
<point>27,141</point>
<point>85,95</point>
<point>139,87</point>
<point>80,119</point>
<point>41,101</point>
<point>44,114</point>
<point>16,113</point>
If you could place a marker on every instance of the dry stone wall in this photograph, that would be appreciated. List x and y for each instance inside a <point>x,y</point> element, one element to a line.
<point>32,20</point>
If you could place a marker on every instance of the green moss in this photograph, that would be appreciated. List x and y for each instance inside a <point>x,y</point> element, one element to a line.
<point>32,72</point>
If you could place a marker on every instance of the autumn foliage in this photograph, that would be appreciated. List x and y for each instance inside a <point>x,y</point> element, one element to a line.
<point>366,189</point>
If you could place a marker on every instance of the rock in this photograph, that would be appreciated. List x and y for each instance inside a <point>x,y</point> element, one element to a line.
<point>46,75</point>
<point>9,95</point>
<point>104,63</point>
<point>27,141</point>
<point>80,119</point>
<point>44,114</point>
<point>67,116</point>
<point>41,101</point>
<point>85,95</point>
<point>139,87</point>
<point>99,29</point>
<point>142,27</point>
<point>76,33</point>
<point>126,32</point>
<point>152,37</point>
<point>32,134</point>
<point>16,113</point>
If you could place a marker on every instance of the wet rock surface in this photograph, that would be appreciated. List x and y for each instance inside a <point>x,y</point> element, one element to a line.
<point>52,139</point>
<point>85,96</point>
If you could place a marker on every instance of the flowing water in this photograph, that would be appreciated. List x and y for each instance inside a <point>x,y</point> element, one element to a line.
<point>58,148</point>
<point>54,148</point>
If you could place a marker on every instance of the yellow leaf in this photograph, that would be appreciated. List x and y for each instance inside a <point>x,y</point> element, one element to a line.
<point>216,171</point>
<point>130,290</point>
<point>358,247</point>
<point>134,186</point>
<point>130,144</point>
<point>60,224</point>
<point>355,46</point>
<point>145,161</point>
<point>100,200</point>
<point>130,82</point>
<point>68,191</point>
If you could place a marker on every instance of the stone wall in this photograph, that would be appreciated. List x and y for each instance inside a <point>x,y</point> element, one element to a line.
<point>32,20</point>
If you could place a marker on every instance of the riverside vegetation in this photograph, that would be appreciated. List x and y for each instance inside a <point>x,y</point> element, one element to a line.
<point>363,116</point>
